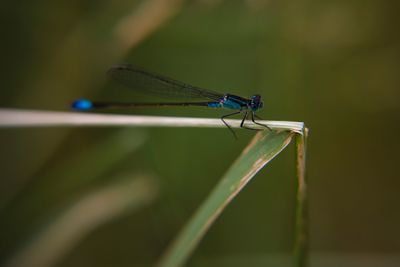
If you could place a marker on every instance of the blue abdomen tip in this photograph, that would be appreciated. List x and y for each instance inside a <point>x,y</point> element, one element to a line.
<point>82,104</point>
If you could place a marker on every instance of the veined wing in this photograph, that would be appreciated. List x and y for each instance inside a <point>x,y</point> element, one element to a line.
<point>148,82</point>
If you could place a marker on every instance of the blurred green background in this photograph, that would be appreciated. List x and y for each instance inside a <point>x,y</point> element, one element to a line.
<point>332,64</point>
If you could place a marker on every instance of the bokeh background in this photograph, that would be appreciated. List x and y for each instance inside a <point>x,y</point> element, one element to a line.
<point>118,196</point>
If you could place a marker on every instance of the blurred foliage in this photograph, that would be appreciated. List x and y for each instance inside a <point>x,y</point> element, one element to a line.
<point>333,64</point>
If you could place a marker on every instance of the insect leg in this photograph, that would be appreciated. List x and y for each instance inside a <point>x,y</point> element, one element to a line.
<point>227,125</point>
<point>244,119</point>
<point>264,125</point>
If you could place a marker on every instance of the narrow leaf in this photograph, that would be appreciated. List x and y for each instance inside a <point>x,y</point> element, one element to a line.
<point>262,149</point>
<point>40,118</point>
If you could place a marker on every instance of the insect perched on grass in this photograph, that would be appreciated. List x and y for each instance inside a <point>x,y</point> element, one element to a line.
<point>148,82</point>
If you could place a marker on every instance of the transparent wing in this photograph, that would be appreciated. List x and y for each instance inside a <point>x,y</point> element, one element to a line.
<point>148,82</point>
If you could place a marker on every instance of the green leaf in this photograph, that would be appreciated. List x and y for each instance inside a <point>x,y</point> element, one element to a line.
<point>262,149</point>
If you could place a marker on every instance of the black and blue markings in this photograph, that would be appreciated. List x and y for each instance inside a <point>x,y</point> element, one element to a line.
<point>147,82</point>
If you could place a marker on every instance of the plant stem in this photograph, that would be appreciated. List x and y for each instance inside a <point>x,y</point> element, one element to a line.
<point>39,118</point>
<point>301,224</point>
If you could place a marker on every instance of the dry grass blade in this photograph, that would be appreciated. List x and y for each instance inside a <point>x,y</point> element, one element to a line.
<point>39,118</point>
<point>142,22</point>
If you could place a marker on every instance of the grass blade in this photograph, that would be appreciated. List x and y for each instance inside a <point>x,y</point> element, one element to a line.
<point>39,118</point>
<point>262,149</point>
<point>301,231</point>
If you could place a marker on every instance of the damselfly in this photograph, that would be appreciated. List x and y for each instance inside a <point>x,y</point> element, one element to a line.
<point>148,82</point>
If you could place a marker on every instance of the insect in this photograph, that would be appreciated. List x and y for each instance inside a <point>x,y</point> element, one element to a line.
<point>151,83</point>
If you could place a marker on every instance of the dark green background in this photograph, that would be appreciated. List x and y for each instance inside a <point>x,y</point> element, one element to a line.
<point>332,64</point>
